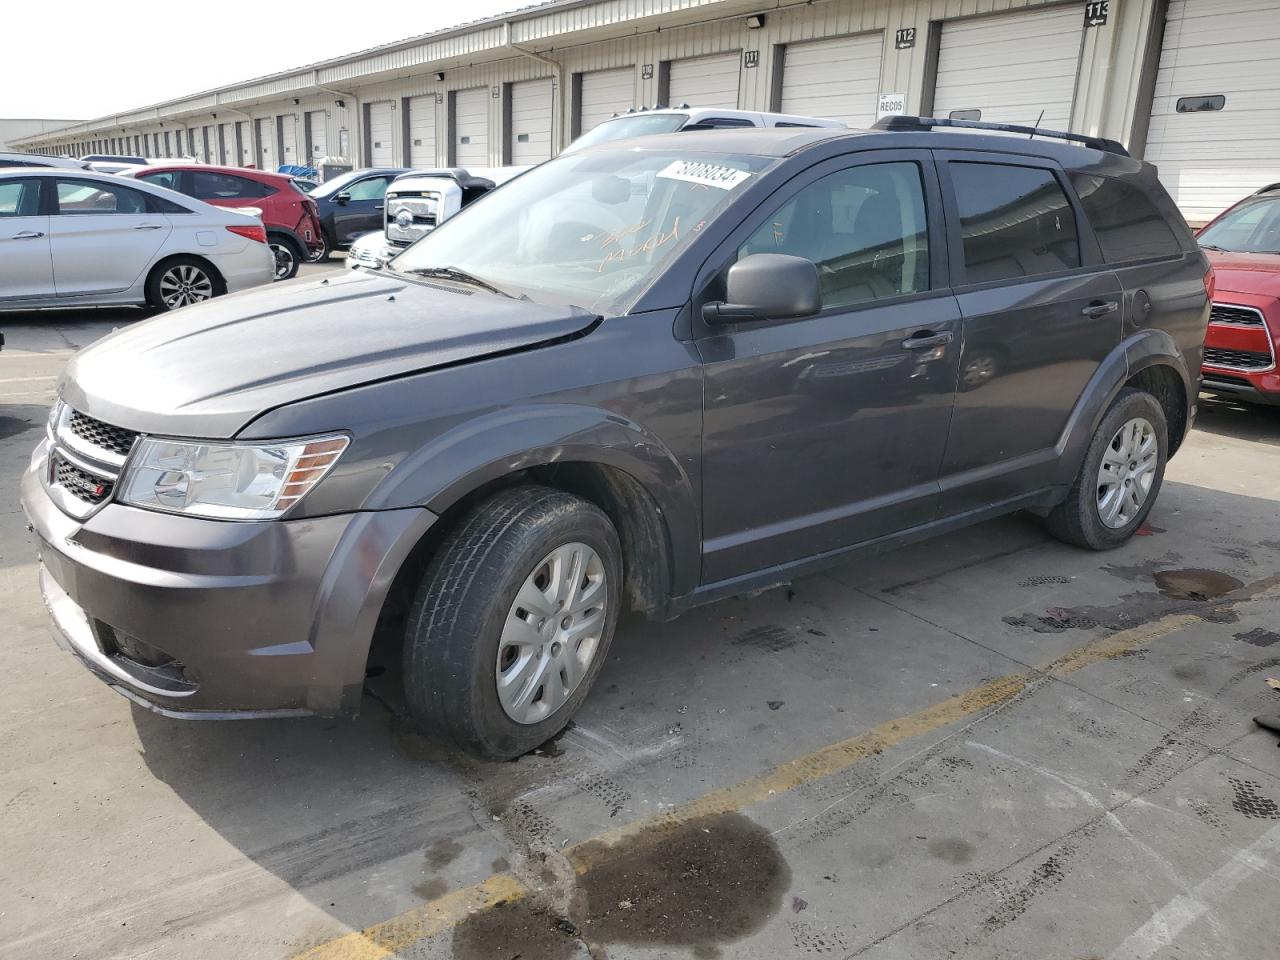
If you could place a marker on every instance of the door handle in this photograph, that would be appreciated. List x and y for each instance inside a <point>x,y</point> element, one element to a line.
<point>27,235</point>
<point>149,226</point>
<point>1096,310</point>
<point>380,206</point>
<point>924,340</point>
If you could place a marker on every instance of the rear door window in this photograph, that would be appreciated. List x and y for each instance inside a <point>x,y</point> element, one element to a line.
<point>92,198</point>
<point>1125,221</point>
<point>206,185</point>
<point>162,178</point>
<point>19,198</point>
<point>1015,221</point>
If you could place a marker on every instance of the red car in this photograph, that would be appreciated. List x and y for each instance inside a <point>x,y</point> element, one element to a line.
<point>290,216</point>
<point>1240,348</point>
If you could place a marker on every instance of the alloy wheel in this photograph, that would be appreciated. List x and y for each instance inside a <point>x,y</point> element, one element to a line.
<point>1127,472</point>
<point>284,260</point>
<point>185,284</point>
<point>552,633</point>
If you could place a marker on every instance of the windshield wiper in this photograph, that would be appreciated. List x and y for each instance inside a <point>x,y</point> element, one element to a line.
<point>461,276</point>
<point>1215,249</point>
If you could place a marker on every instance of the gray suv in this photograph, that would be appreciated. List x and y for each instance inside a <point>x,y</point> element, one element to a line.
<point>643,376</point>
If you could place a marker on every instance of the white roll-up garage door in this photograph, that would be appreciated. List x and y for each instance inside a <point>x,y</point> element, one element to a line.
<point>838,79</point>
<point>1209,159</point>
<point>1011,67</point>
<point>704,81</point>
<point>604,93</point>
<point>266,128</point>
<point>422,131</point>
<point>319,134</point>
<point>227,145</point>
<point>471,127</point>
<point>380,131</point>
<point>289,152</point>
<point>530,131</point>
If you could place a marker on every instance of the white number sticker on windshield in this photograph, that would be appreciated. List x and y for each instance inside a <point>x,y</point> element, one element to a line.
<point>705,174</point>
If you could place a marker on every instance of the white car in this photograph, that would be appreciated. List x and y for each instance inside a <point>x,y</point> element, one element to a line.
<point>71,238</point>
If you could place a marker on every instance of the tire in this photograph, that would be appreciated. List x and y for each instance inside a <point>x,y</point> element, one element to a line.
<point>288,256</point>
<point>1090,516</point>
<point>180,282</point>
<point>326,248</point>
<point>466,630</point>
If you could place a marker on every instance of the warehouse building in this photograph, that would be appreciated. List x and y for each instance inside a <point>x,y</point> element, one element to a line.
<point>1191,85</point>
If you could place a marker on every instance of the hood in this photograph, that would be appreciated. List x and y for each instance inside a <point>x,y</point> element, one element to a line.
<point>207,370</point>
<point>1255,273</point>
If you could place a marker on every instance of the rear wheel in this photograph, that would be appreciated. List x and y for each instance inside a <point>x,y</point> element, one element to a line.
<point>181,282</point>
<point>288,256</point>
<point>513,621</point>
<point>1120,477</point>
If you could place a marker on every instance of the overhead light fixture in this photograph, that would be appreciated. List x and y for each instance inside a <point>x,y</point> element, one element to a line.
<point>296,101</point>
<point>341,103</point>
<point>439,75</point>
<point>755,21</point>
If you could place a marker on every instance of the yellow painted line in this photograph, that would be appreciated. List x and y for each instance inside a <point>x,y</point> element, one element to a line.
<point>390,937</point>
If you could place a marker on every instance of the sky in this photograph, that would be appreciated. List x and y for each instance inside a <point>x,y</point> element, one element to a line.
<point>104,59</point>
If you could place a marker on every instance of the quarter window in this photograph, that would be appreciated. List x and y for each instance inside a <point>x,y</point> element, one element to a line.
<point>864,228</point>
<point>19,198</point>
<point>1127,224</point>
<point>1014,221</point>
<point>83,197</point>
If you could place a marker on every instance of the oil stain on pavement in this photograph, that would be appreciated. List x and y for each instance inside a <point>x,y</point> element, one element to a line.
<point>694,884</point>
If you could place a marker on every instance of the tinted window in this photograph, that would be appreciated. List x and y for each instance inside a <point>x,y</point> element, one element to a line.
<point>84,197</point>
<point>164,205</point>
<point>718,123</point>
<point>864,228</point>
<point>1014,222</point>
<point>166,178</point>
<point>19,198</point>
<point>221,186</point>
<point>374,188</point>
<point>1127,224</point>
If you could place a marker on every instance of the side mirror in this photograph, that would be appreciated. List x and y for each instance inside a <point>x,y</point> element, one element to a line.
<point>768,286</point>
<point>343,198</point>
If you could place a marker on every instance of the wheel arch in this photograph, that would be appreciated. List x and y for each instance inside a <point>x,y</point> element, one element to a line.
<point>1149,360</point>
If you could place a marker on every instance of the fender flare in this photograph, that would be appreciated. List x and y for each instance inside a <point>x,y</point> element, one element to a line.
<point>1138,352</point>
<point>473,454</point>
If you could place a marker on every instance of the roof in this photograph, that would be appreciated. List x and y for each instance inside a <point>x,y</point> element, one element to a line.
<point>160,166</point>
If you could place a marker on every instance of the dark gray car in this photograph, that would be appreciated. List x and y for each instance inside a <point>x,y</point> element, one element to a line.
<point>643,376</point>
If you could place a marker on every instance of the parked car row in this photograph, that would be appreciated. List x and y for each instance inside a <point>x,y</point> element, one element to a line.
<point>641,376</point>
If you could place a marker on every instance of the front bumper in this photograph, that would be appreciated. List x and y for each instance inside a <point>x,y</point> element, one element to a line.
<point>1252,387</point>
<point>252,619</point>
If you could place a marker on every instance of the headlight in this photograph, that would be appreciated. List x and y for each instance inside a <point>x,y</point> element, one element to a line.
<point>228,481</point>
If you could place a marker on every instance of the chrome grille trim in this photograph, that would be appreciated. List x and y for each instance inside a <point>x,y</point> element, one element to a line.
<point>1232,315</point>
<point>82,450</point>
<point>1241,360</point>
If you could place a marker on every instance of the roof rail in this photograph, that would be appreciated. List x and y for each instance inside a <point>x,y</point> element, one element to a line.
<point>901,123</point>
<point>1268,188</point>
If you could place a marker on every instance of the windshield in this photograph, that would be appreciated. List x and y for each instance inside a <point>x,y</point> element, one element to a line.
<point>1251,227</point>
<point>590,229</point>
<point>632,125</point>
<point>337,183</point>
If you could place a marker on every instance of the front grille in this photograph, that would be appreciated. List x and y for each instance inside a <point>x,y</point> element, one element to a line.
<point>1235,316</point>
<point>79,483</point>
<point>1240,359</point>
<point>103,435</point>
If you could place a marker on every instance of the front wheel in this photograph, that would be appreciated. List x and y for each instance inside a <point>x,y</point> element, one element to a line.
<point>1120,477</point>
<point>513,621</point>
